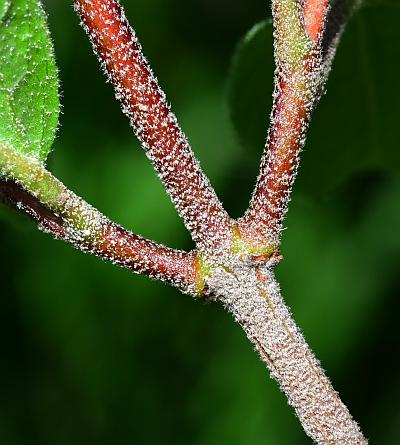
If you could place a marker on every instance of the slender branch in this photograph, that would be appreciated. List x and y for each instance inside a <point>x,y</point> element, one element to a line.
<point>252,295</point>
<point>155,125</point>
<point>299,74</point>
<point>29,187</point>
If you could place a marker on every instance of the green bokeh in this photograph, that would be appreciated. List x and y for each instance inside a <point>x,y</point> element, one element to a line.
<point>91,354</point>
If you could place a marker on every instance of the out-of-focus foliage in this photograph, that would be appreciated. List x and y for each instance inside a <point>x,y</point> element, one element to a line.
<point>29,104</point>
<point>251,84</point>
<point>92,354</point>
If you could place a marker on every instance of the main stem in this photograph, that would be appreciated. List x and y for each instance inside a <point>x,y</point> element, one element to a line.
<point>252,295</point>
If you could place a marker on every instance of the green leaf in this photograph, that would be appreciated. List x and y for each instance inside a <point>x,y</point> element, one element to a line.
<point>29,101</point>
<point>251,83</point>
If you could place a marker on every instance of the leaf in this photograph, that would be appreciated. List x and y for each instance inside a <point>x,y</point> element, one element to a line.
<point>29,101</point>
<point>251,83</point>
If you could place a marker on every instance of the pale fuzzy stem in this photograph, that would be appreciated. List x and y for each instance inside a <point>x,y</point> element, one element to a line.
<point>155,125</point>
<point>27,185</point>
<point>252,295</point>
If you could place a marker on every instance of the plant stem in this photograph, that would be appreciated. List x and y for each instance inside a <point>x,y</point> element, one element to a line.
<point>302,66</point>
<point>145,104</point>
<point>27,185</point>
<point>315,12</point>
<point>297,77</point>
<point>252,295</point>
<point>234,262</point>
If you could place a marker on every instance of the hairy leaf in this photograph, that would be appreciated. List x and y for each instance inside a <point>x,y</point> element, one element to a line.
<point>29,101</point>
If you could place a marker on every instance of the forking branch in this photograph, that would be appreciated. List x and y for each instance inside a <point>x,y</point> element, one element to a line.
<point>234,261</point>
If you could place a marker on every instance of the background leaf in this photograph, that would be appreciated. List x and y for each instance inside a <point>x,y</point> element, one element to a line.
<point>29,102</point>
<point>251,84</point>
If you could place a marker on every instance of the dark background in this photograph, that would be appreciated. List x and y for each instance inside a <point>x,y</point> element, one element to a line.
<point>91,354</point>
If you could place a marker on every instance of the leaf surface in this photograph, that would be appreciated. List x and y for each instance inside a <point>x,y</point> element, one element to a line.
<point>29,100</point>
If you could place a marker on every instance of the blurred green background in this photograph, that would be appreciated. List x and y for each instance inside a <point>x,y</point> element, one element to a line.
<point>90,354</point>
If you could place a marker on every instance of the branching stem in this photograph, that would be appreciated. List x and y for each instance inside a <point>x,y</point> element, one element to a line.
<point>234,261</point>
<point>59,211</point>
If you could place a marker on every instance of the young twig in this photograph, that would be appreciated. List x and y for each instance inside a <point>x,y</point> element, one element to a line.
<point>155,125</point>
<point>300,72</point>
<point>30,188</point>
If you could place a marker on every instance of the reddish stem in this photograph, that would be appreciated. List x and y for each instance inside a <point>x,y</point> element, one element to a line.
<point>14,195</point>
<point>296,89</point>
<point>146,257</point>
<point>262,222</point>
<point>155,125</point>
<point>112,243</point>
<point>315,12</point>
